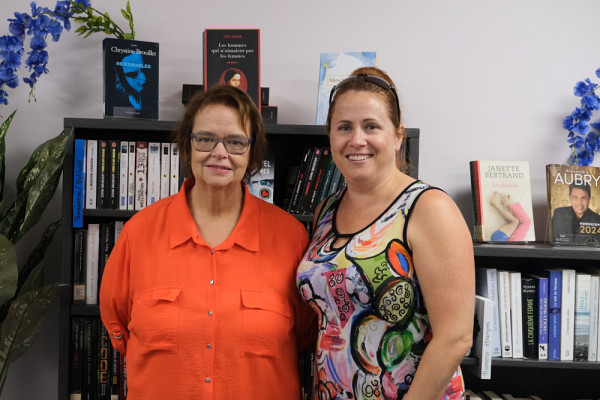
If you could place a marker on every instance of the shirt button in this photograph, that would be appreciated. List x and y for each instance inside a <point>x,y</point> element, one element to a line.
<point>210,313</point>
<point>207,379</point>
<point>211,282</point>
<point>208,346</point>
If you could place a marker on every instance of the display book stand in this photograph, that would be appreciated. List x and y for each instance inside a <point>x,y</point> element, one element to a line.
<point>284,141</point>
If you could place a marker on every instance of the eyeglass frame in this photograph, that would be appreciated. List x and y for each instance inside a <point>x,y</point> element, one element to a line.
<point>382,83</point>
<point>221,140</point>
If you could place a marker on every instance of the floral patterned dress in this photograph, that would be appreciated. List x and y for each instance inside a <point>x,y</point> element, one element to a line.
<point>373,324</point>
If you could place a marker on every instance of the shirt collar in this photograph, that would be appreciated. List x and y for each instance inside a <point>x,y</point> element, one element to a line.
<point>183,228</point>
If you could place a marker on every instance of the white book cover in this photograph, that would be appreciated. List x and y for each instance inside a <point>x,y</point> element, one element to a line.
<point>174,169</point>
<point>516,314</point>
<point>335,67</point>
<point>153,176</point>
<point>583,284</point>
<point>131,177</point>
<point>91,173</point>
<point>165,168</point>
<point>504,313</point>
<point>141,168</point>
<point>123,174</point>
<point>92,250</point>
<point>487,286</point>
<point>594,317</point>
<point>118,228</point>
<point>482,345</point>
<point>567,315</point>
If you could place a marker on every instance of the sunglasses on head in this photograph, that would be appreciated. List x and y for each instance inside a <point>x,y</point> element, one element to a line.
<point>382,83</point>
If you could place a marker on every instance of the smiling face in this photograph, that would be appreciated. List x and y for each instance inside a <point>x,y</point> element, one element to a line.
<point>580,201</point>
<point>363,139</point>
<point>217,168</point>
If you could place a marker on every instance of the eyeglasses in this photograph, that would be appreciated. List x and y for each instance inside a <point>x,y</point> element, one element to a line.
<point>382,83</point>
<point>234,144</point>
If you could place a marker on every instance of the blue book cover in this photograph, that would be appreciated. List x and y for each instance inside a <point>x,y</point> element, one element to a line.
<point>542,317</point>
<point>554,303</point>
<point>78,183</point>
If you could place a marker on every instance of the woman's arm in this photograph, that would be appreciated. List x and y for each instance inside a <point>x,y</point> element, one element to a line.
<point>444,264</point>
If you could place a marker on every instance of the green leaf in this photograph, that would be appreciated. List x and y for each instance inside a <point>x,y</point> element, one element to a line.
<point>38,254</point>
<point>3,129</point>
<point>23,324</point>
<point>128,7</point>
<point>9,271</point>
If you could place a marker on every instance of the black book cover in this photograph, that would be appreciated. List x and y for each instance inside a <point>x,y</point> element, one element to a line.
<point>300,179</point>
<point>319,179</point>
<point>107,242</point>
<point>76,362</point>
<point>79,266</point>
<point>113,174</point>
<point>102,175</point>
<point>311,179</point>
<point>530,304</point>
<point>103,363</point>
<point>130,78</point>
<point>232,56</point>
<point>90,357</point>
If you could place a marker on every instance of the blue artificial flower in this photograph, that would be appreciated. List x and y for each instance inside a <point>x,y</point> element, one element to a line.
<point>581,128</point>
<point>17,25</point>
<point>580,89</point>
<point>596,125</point>
<point>84,3</point>
<point>37,43</point>
<point>581,114</point>
<point>11,44</point>
<point>590,102</point>
<point>63,12</point>
<point>55,29</point>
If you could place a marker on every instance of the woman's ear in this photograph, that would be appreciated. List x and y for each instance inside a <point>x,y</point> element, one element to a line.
<point>400,134</point>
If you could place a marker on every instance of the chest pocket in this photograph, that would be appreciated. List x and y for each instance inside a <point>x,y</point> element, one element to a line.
<point>154,320</point>
<point>266,323</point>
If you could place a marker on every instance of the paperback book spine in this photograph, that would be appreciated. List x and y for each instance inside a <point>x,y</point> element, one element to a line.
<point>567,323</point>
<point>174,181</point>
<point>141,162</point>
<point>530,307</point>
<point>554,314</point>
<point>504,312</point>
<point>91,170</point>
<point>582,316</point>
<point>113,174</point>
<point>92,258</point>
<point>542,317</point>
<point>123,174</point>
<point>165,166</point>
<point>153,175</point>
<point>131,175</point>
<point>78,183</point>
<point>516,314</point>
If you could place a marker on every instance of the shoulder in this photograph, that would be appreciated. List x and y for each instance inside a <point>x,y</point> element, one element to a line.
<point>560,211</point>
<point>275,215</point>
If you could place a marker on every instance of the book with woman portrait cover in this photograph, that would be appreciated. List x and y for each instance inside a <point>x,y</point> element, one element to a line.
<point>130,78</point>
<point>502,205</point>
<point>573,204</point>
<point>232,56</point>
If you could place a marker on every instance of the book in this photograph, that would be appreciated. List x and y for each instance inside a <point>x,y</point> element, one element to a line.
<point>78,182</point>
<point>583,284</point>
<point>153,173</point>
<point>502,205</point>
<point>141,169</point>
<point>482,342</point>
<point>567,322</point>
<point>174,180</point>
<point>268,114</point>
<point>115,359</point>
<point>92,250</point>
<point>542,313</point>
<point>504,313</point>
<point>107,242</point>
<point>123,174</point>
<point>91,169</point>
<point>232,56</point>
<point>262,184</point>
<point>113,157</point>
<point>102,175</point>
<point>79,266</point>
<point>103,363</point>
<point>300,179</point>
<point>327,179</point>
<point>335,67</point>
<point>516,317</point>
<point>573,204</point>
<point>131,175</point>
<point>165,169</point>
<point>76,359</point>
<point>530,314</point>
<point>90,358</point>
<point>130,82</point>
<point>594,317</point>
<point>554,313</point>
<point>311,179</point>
<point>318,179</point>
<point>486,285</point>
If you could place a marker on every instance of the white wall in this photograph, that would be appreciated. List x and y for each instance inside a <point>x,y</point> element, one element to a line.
<point>481,79</point>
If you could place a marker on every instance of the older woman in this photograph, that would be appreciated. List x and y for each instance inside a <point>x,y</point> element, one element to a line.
<point>199,290</point>
<point>390,269</point>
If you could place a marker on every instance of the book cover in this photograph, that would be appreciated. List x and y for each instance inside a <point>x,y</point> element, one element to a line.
<point>103,362</point>
<point>232,56</point>
<point>567,323</point>
<point>153,174</point>
<point>583,284</point>
<point>319,176</point>
<point>113,174</point>
<point>174,180</point>
<point>311,180</point>
<point>123,174</point>
<point>554,313</point>
<point>91,170</point>
<point>131,165</point>
<point>102,175</point>
<point>262,184</point>
<point>530,307</point>
<point>486,285</point>
<point>504,313</point>
<point>141,168</point>
<point>90,357</point>
<point>130,78</point>
<point>542,315</point>
<point>107,242</point>
<point>327,179</point>
<point>300,179</point>
<point>76,358</point>
<point>78,182</point>
<point>516,317</point>
<point>502,206</point>
<point>165,166</point>
<point>573,204</point>
<point>594,315</point>
<point>335,67</point>
<point>114,373</point>
<point>92,251</point>
<point>79,266</point>
<point>482,342</point>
